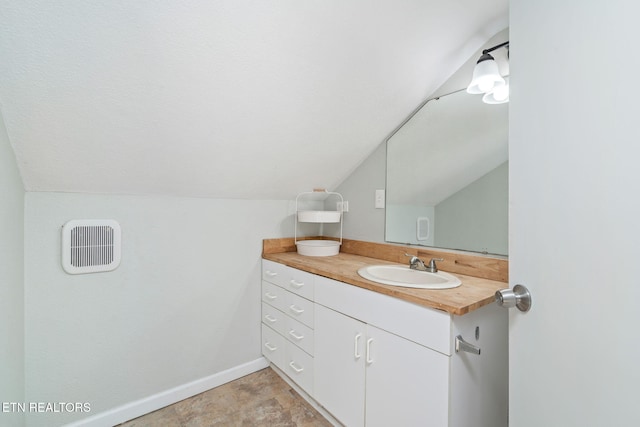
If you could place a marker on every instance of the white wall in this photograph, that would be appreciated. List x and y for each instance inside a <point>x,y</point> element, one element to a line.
<point>364,221</point>
<point>11,281</point>
<point>184,303</point>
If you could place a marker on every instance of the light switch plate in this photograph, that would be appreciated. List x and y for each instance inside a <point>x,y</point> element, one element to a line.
<point>343,206</point>
<point>379,199</point>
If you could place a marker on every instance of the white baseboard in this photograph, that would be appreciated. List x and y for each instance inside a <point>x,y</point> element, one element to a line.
<point>152,403</point>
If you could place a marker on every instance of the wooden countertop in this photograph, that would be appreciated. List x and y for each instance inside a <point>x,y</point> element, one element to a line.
<point>474,292</point>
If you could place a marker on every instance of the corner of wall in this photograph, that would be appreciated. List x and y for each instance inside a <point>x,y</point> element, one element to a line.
<point>11,284</point>
<point>364,221</point>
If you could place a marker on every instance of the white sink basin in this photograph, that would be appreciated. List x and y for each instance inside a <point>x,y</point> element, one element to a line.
<point>399,275</point>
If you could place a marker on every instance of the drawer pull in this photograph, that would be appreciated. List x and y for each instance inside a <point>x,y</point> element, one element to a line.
<point>295,284</point>
<point>295,309</point>
<point>270,273</point>
<point>355,346</point>
<point>270,318</point>
<point>295,367</point>
<point>270,347</point>
<point>294,335</point>
<point>270,296</point>
<point>369,359</point>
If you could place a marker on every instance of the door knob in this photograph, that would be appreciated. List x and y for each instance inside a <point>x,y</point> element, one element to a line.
<point>519,297</point>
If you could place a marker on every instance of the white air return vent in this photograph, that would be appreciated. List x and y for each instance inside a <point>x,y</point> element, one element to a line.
<point>90,246</point>
<point>422,228</point>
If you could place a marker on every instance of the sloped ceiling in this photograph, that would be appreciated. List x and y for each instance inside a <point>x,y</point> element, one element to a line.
<point>233,98</point>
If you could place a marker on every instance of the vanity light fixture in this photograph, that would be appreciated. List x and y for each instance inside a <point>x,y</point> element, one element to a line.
<point>487,79</point>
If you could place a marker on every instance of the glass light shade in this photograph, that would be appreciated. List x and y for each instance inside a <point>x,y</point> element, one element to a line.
<point>486,75</point>
<point>499,94</point>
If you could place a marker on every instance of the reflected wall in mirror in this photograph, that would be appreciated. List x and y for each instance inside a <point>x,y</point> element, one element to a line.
<point>447,176</point>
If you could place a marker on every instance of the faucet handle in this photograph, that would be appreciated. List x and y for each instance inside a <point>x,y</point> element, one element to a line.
<point>413,257</point>
<point>432,264</point>
<point>415,262</point>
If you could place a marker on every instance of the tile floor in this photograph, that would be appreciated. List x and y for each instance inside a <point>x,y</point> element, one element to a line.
<point>258,399</point>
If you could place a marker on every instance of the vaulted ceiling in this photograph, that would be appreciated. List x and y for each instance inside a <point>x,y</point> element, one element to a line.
<point>229,98</point>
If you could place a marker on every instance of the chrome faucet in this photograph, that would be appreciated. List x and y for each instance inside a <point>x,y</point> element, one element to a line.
<point>416,263</point>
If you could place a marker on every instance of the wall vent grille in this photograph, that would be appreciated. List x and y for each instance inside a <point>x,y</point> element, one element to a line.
<point>422,228</point>
<point>90,246</point>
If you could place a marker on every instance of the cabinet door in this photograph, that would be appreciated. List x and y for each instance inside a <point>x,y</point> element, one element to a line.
<point>407,384</point>
<point>339,370</point>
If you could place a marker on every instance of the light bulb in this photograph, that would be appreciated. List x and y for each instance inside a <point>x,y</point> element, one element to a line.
<point>501,93</point>
<point>485,85</point>
<point>485,76</point>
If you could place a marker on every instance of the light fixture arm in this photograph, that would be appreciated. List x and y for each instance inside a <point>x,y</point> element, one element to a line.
<point>498,46</point>
<point>485,53</point>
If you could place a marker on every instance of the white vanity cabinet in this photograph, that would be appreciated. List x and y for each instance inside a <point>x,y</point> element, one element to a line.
<point>364,373</point>
<point>377,360</point>
<point>382,361</point>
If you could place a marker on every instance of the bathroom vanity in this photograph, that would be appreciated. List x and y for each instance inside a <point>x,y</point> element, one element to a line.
<point>378,355</point>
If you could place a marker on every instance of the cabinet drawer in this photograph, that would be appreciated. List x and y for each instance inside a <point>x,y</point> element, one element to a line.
<point>274,347</point>
<point>297,281</point>
<point>299,308</point>
<point>299,367</point>
<point>273,272</point>
<point>274,295</point>
<point>299,334</point>
<point>274,318</point>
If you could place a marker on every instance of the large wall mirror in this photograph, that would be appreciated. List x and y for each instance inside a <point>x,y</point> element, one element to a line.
<point>447,176</point>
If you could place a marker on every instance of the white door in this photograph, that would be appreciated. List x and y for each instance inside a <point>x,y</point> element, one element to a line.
<point>575,213</point>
